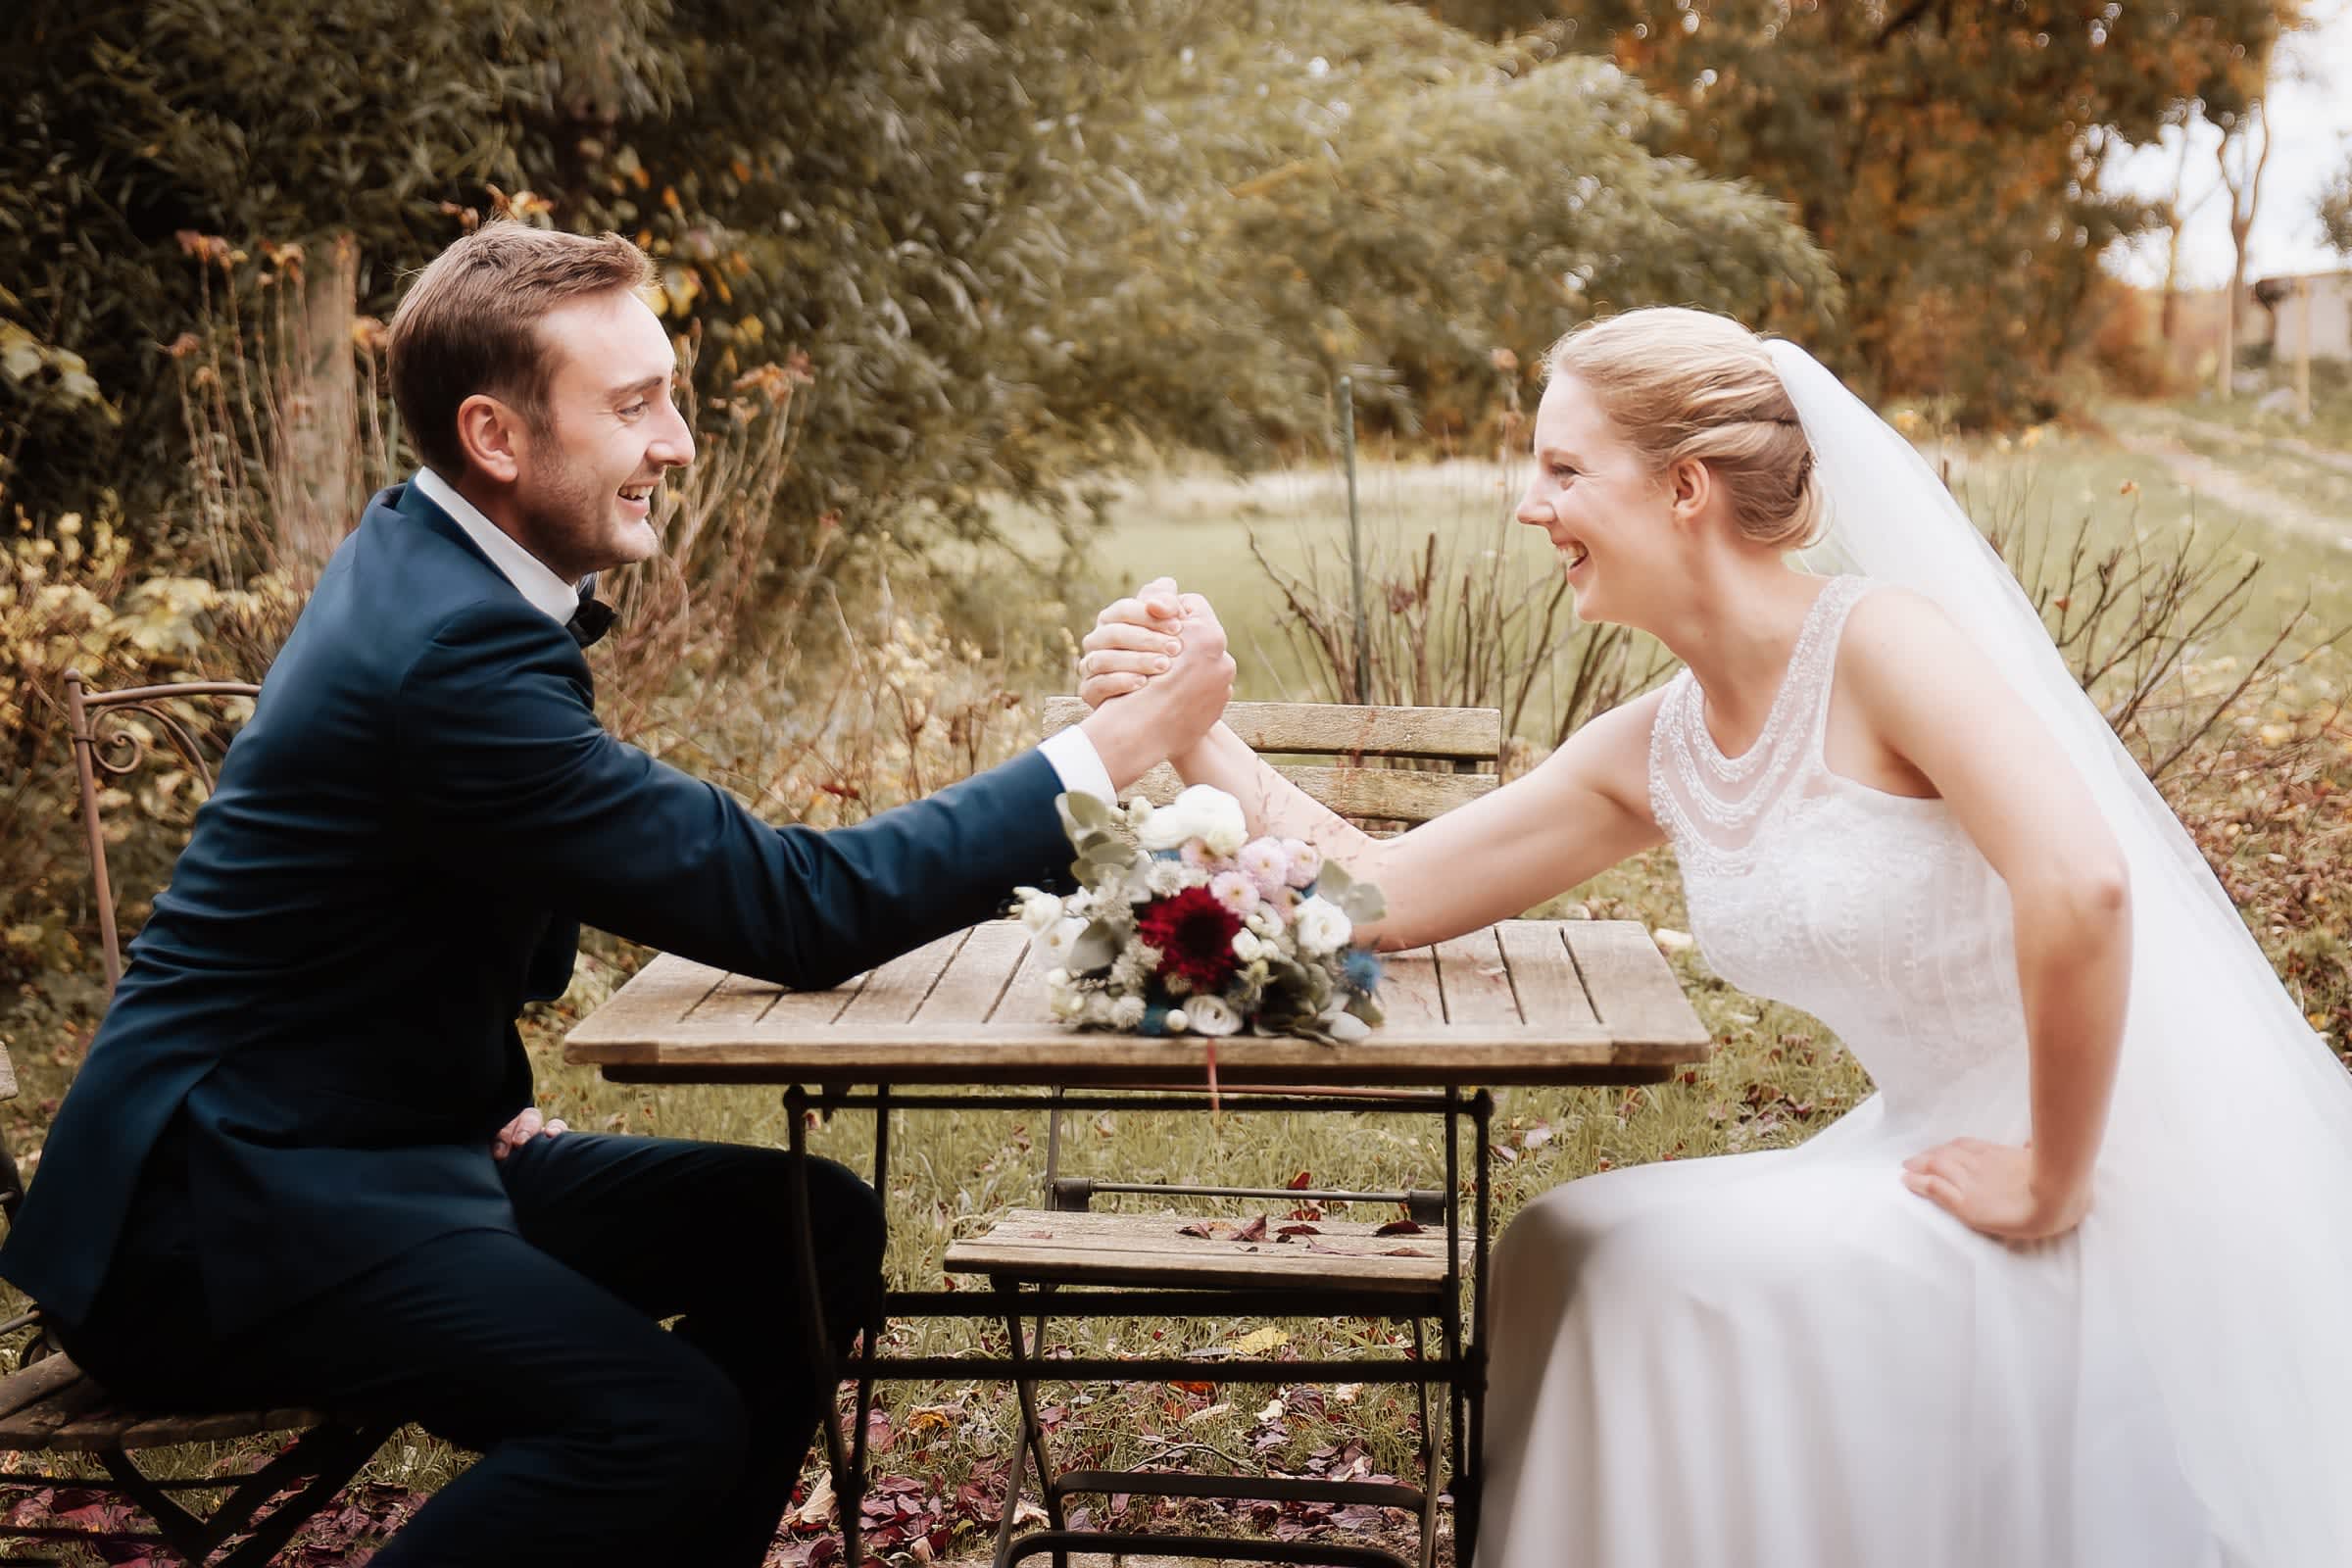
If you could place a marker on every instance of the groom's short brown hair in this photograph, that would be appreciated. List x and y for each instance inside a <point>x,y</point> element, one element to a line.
<point>470,324</point>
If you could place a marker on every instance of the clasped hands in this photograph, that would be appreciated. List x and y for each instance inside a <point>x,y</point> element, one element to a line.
<point>1138,638</point>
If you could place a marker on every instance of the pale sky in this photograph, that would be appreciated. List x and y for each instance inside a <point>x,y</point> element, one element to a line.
<point>2310,131</point>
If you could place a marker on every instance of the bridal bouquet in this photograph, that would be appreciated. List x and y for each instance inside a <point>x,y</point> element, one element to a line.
<point>1181,927</point>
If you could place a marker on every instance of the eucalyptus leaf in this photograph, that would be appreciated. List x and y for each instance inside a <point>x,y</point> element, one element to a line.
<point>1096,947</point>
<point>1089,811</point>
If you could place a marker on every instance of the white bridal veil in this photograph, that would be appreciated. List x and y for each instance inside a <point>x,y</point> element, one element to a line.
<point>2222,1214</point>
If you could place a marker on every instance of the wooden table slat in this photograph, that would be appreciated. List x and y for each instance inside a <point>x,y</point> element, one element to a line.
<point>1543,975</point>
<point>1476,980</point>
<point>1409,988</point>
<point>1631,986</point>
<point>975,977</point>
<point>656,998</point>
<point>1024,998</point>
<point>893,993</point>
<point>737,999</point>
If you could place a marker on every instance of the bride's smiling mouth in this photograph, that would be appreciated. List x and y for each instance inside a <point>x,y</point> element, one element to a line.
<point>1573,553</point>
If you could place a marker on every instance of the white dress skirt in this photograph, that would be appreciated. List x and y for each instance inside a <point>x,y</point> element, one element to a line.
<point>1789,1359</point>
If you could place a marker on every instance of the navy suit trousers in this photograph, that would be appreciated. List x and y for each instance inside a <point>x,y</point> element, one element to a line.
<point>606,1439</point>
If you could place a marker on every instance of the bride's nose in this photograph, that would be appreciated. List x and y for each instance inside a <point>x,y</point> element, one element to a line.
<point>1532,512</point>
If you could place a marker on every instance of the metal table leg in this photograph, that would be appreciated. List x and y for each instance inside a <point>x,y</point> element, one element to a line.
<point>848,1477</point>
<point>1470,1474</point>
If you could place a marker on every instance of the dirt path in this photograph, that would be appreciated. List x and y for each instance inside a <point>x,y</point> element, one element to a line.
<point>2234,486</point>
<point>2340,461</point>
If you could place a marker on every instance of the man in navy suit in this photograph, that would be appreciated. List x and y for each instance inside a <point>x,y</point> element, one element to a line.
<point>300,1166</point>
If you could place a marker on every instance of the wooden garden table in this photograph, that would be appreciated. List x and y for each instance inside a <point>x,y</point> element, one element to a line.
<point>1522,1003</point>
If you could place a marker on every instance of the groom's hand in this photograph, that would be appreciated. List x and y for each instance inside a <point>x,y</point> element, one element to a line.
<point>522,1129</point>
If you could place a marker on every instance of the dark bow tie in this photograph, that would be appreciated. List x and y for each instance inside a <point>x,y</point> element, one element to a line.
<point>593,619</point>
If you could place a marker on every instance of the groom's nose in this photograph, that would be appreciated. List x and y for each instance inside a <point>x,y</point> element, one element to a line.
<point>673,446</point>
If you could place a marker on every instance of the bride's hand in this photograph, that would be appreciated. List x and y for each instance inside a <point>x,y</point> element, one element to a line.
<point>1991,1188</point>
<point>1133,640</point>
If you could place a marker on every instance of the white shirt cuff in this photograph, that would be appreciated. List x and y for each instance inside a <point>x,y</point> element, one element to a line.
<point>1078,763</point>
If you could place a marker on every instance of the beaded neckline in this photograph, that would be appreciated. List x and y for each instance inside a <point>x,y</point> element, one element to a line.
<point>1808,638</point>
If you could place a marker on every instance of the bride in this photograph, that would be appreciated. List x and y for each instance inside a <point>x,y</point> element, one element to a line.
<point>2069,1291</point>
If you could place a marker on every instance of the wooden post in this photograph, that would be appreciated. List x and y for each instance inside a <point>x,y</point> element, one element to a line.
<point>1355,541</point>
<point>2303,351</point>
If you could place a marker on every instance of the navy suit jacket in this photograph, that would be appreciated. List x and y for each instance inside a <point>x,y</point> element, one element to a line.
<point>404,841</point>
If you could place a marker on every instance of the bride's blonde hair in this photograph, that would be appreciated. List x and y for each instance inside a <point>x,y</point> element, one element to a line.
<point>1683,383</point>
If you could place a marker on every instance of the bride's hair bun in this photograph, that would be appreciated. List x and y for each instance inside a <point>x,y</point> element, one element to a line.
<point>1683,383</point>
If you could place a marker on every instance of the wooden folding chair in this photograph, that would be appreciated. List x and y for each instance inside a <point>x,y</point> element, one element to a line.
<point>48,1405</point>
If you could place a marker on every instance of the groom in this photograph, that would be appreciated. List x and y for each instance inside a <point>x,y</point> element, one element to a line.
<point>298,1166</point>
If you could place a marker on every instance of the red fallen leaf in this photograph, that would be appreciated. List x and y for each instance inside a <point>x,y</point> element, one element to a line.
<point>1298,1230</point>
<point>1194,1387</point>
<point>1206,1230</point>
<point>1254,1231</point>
<point>1401,1227</point>
<point>1302,1181</point>
<point>1306,1212</point>
<point>1400,1252</point>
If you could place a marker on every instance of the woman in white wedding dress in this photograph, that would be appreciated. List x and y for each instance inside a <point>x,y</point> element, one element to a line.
<point>2066,1291</point>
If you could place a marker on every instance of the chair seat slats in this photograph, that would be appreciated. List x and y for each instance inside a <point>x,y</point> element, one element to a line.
<point>1088,1248</point>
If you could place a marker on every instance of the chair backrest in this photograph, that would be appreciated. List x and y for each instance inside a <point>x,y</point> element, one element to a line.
<point>1465,737</point>
<point>108,745</point>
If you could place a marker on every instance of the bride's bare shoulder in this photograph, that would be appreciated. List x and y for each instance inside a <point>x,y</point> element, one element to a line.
<point>1893,636</point>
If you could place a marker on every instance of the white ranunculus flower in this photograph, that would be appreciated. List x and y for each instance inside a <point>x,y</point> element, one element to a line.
<point>1203,813</point>
<point>1320,927</point>
<point>1211,1015</point>
<point>1247,947</point>
<point>1266,924</point>
<point>1039,909</point>
<point>1054,943</point>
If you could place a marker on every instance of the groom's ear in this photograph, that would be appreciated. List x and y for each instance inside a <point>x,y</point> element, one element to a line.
<point>491,433</point>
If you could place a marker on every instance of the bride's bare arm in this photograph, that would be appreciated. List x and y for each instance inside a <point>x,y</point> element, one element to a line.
<point>1582,810</point>
<point>1927,693</point>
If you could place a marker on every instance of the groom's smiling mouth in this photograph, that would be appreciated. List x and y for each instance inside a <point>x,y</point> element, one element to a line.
<point>639,495</point>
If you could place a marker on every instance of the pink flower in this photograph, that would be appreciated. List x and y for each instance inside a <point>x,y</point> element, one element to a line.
<point>1266,864</point>
<point>1235,889</point>
<point>1307,861</point>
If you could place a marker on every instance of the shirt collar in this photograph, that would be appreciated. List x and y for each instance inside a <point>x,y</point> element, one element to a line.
<point>532,578</point>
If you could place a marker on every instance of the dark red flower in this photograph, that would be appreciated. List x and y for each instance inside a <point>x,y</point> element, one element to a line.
<point>1194,935</point>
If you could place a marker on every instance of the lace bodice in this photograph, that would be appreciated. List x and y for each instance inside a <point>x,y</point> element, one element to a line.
<point>1875,912</point>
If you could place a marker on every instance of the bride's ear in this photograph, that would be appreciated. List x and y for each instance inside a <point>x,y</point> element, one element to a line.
<point>1689,489</point>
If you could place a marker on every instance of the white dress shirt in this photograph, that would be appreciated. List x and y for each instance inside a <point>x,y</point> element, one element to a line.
<point>1075,761</point>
